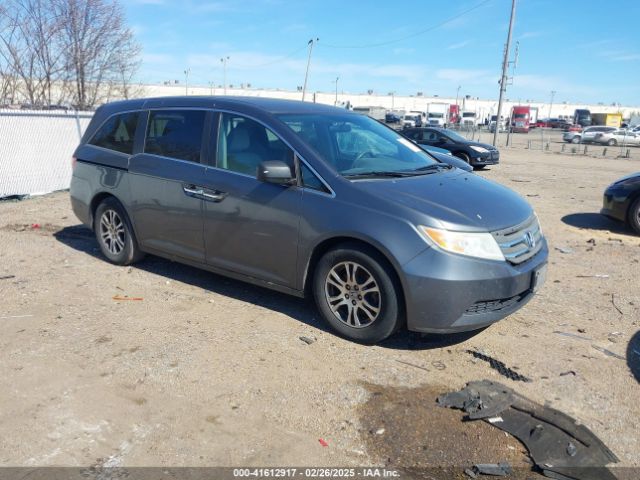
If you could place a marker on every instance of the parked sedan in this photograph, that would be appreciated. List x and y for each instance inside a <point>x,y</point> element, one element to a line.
<point>476,154</point>
<point>589,134</point>
<point>618,137</point>
<point>622,201</point>
<point>445,156</point>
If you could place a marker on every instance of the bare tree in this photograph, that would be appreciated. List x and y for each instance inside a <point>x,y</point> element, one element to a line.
<point>101,50</point>
<point>57,50</point>
<point>30,47</point>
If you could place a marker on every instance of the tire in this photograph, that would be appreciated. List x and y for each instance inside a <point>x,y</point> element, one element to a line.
<point>633,216</point>
<point>479,167</point>
<point>114,233</point>
<point>612,142</point>
<point>340,276</point>
<point>575,140</point>
<point>463,156</point>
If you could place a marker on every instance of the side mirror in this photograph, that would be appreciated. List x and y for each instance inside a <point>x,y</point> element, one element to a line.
<point>275,171</point>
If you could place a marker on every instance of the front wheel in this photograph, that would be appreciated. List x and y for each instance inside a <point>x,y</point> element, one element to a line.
<point>575,140</point>
<point>355,292</point>
<point>612,142</point>
<point>114,233</point>
<point>634,216</point>
<point>463,156</point>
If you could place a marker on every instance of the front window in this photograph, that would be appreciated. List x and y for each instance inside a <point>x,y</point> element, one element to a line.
<point>454,136</point>
<point>520,115</point>
<point>356,145</point>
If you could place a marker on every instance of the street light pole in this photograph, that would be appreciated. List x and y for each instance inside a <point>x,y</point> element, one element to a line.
<point>306,75</point>
<point>224,69</point>
<point>553,94</point>
<point>186,81</point>
<point>505,66</point>
<point>457,94</point>
<point>336,101</point>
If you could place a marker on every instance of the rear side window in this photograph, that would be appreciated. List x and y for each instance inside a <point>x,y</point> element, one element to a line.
<point>175,133</point>
<point>117,133</point>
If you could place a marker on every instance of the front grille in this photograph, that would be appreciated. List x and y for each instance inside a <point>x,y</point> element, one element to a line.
<point>520,242</point>
<point>489,306</point>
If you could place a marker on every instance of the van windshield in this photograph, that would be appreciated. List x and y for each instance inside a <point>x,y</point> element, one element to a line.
<point>356,145</point>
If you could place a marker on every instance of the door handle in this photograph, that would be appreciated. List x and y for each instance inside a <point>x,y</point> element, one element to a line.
<point>192,190</point>
<point>214,195</point>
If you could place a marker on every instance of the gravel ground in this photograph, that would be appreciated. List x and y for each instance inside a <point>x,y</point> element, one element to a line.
<point>204,371</point>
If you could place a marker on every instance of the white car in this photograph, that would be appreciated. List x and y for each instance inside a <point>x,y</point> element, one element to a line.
<point>618,137</point>
<point>589,134</point>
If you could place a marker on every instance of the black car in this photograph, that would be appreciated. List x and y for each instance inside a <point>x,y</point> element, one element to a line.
<point>622,201</point>
<point>476,154</point>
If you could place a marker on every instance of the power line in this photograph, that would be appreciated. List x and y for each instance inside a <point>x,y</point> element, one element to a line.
<point>277,60</point>
<point>421,32</point>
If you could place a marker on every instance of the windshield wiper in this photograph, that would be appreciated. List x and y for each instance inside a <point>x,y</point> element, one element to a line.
<point>435,166</point>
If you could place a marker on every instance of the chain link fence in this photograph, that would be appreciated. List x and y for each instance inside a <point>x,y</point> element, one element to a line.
<point>36,149</point>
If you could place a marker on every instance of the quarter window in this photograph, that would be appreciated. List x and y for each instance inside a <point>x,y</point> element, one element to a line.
<point>117,133</point>
<point>310,180</point>
<point>175,133</point>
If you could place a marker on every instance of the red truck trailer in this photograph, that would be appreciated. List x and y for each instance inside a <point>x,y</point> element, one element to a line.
<point>520,117</point>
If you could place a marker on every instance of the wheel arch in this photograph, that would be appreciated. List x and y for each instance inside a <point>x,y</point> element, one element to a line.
<point>330,243</point>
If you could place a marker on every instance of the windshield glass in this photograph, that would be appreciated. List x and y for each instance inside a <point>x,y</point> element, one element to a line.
<point>354,144</point>
<point>454,136</point>
<point>520,115</point>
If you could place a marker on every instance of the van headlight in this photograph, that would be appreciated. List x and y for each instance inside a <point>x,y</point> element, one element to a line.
<point>479,245</point>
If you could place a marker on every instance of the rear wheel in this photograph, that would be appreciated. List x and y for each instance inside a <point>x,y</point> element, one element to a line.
<point>612,142</point>
<point>356,294</point>
<point>114,233</point>
<point>634,216</point>
<point>575,139</point>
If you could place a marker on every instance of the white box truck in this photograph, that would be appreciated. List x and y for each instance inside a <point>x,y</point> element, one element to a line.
<point>437,114</point>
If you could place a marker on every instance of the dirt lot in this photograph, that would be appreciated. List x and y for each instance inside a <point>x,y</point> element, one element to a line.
<point>203,371</point>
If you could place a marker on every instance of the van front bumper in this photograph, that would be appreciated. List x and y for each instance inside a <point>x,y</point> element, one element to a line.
<point>448,293</point>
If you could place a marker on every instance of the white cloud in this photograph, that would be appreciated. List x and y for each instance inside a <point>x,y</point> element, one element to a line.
<point>458,45</point>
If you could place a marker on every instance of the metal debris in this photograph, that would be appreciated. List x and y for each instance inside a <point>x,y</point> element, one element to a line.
<point>500,367</point>
<point>564,249</point>
<point>613,302</point>
<point>495,469</point>
<point>608,352</point>
<point>307,340</point>
<point>557,444</point>
<point>568,334</point>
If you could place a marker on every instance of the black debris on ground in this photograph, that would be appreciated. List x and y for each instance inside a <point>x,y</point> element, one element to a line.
<point>557,444</point>
<point>500,367</point>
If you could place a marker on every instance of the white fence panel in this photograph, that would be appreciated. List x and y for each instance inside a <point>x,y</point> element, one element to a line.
<point>36,149</point>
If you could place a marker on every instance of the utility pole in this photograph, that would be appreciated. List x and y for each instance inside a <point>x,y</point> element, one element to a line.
<point>553,94</point>
<point>458,94</point>
<point>336,101</point>
<point>224,68</point>
<point>186,81</point>
<point>306,75</point>
<point>505,67</point>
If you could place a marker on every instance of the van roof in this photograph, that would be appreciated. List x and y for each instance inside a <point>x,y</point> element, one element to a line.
<point>269,105</point>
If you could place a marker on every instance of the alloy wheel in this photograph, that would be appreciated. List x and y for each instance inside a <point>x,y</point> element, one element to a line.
<point>353,294</point>
<point>112,231</point>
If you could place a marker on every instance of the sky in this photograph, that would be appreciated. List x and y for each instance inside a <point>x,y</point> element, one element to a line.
<point>584,51</point>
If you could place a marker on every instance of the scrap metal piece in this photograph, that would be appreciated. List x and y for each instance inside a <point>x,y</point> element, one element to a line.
<point>500,367</point>
<point>559,446</point>
<point>495,469</point>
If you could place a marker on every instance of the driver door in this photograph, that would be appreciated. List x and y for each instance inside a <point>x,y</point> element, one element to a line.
<point>250,227</point>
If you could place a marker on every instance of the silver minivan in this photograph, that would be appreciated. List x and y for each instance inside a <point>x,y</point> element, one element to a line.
<point>312,200</point>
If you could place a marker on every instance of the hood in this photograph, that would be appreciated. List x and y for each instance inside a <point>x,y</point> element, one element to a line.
<point>630,179</point>
<point>454,199</point>
<point>471,143</point>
